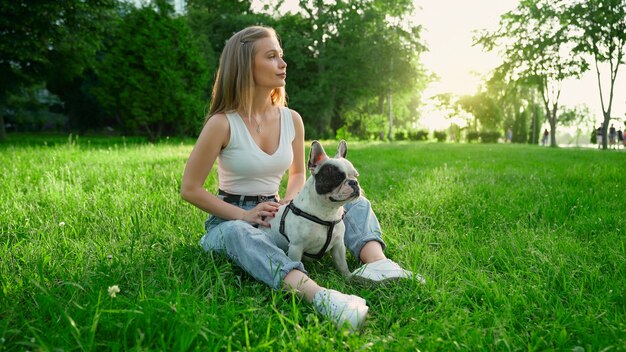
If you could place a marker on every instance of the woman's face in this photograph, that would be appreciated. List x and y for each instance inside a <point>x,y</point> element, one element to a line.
<point>270,70</point>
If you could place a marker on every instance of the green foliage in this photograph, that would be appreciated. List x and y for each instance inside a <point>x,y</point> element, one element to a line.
<point>48,38</point>
<point>600,31</point>
<point>31,109</point>
<point>214,21</point>
<point>484,108</point>
<point>521,248</point>
<point>518,100</point>
<point>489,136</point>
<point>363,126</point>
<point>152,77</point>
<point>536,43</point>
<point>472,136</point>
<point>418,135</point>
<point>574,116</point>
<point>520,127</point>
<point>440,136</point>
<point>35,34</point>
<point>343,133</point>
<point>399,135</point>
<point>334,52</point>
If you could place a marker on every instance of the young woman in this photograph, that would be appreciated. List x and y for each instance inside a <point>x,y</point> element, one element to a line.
<point>255,139</point>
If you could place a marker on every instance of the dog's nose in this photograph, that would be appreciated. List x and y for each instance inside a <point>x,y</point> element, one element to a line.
<point>353,183</point>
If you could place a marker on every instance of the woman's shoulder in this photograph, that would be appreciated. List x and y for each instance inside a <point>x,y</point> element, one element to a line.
<point>218,121</point>
<point>297,122</point>
<point>295,116</point>
<point>217,127</point>
<point>218,118</point>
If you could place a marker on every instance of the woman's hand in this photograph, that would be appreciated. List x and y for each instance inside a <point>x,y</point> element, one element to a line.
<point>262,212</point>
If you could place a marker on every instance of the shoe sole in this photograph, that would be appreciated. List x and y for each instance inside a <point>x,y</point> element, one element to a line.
<point>369,282</point>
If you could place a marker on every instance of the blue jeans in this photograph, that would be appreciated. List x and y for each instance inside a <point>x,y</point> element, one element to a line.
<point>255,252</point>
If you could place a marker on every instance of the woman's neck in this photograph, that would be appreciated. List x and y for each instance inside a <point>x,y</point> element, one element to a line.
<point>261,104</point>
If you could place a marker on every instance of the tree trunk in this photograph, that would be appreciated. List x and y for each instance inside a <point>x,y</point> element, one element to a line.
<point>3,133</point>
<point>390,118</point>
<point>553,125</point>
<point>553,128</point>
<point>534,135</point>
<point>605,129</point>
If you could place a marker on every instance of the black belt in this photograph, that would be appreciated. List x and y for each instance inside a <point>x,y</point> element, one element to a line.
<point>236,198</point>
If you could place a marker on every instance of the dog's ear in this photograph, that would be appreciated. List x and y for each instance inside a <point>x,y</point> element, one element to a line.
<point>342,149</point>
<point>316,156</point>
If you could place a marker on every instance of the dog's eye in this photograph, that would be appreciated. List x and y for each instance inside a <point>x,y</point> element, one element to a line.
<point>328,178</point>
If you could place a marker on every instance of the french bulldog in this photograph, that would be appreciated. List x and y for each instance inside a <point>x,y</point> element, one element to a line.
<point>312,224</point>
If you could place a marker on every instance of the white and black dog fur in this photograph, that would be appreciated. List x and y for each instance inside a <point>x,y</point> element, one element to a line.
<point>333,183</point>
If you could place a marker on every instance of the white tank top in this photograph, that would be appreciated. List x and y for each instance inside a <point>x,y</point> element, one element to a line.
<point>244,168</point>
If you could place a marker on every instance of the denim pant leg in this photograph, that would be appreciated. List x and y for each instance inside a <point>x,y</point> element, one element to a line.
<point>250,248</point>
<point>361,226</point>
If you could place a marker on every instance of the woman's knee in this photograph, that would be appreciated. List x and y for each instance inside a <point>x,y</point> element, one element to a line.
<point>360,202</point>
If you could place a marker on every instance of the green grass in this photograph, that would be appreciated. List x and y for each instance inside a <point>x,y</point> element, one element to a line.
<point>523,249</point>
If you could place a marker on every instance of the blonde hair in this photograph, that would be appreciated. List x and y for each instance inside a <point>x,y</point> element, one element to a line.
<point>234,84</point>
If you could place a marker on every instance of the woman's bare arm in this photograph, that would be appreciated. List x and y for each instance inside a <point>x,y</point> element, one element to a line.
<point>297,170</point>
<point>213,137</point>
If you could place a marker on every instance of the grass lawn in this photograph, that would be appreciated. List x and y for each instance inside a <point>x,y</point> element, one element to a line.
<point>523,248</point>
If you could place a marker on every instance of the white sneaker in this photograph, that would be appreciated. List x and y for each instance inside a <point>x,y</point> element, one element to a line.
<point>341,308</point>
<point>384,270</point>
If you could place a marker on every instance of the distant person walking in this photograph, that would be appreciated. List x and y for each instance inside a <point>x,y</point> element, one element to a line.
<point>509,135</point>
<point>546,134</point>
<point>620,138</point>
<point>612,135</point>
<point>599,136</point>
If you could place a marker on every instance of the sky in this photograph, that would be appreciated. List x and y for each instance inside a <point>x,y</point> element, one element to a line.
<point>448,26</point>
<point>448,29</point>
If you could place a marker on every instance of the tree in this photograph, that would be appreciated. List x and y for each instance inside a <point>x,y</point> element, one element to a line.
<point>536,46</point>
<point>214,21</point>
<point>355,51</point>
<point>600,27</point>
<point>336,54</point>
<point>151,77</point>
<point>33,33</point>
<point>485,110</point>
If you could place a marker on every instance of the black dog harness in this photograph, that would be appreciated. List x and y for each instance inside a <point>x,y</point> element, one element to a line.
<point>298,212</point>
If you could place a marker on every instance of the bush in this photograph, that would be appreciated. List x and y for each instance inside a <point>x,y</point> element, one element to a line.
<point>419,135</point>
<point>440,136</point>
<point>152,76</point>
<point>399,136</point>
<point>362,126</point>
<point>489,137</point>
<point>472,136</point>
<point>343,133</point>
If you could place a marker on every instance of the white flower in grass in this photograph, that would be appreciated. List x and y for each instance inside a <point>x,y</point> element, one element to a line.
<point>113,290</point>
<point>62,223</point>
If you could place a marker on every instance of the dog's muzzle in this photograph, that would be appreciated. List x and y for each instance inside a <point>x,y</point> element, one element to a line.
<point>355,187</point>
